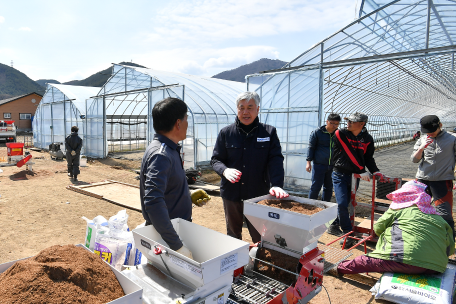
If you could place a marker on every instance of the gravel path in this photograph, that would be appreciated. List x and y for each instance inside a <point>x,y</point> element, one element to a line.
<point>395,162</point>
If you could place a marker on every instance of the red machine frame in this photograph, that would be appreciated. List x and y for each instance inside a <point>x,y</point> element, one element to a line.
<point>357,230</point>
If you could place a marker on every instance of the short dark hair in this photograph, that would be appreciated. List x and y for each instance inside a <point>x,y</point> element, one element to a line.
<point>166,112</point>
<point>333,116</point>
<point>74,129</point>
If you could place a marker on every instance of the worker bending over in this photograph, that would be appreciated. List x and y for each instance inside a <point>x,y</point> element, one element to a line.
<point>412,237</point>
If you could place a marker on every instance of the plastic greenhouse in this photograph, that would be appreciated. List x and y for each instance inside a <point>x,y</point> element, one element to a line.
<point>395,63</point>
<point>119,118</point>
<point>62,107</point>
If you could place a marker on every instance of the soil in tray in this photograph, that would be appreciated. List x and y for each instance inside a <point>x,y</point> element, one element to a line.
<point>278,259</point>
<point>291,206</point>
<point>60,274</point>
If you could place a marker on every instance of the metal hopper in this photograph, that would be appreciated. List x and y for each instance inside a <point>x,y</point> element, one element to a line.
<point>289,230</point>
<point>208,276</point>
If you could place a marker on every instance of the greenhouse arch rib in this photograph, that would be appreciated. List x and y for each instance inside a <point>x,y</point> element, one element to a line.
<point>210,102</point>
<point>395,63</point>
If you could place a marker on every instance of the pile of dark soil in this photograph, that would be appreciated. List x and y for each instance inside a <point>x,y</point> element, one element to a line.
<point>291,206</point>
<point>60,274</point>
<point>278,259</point>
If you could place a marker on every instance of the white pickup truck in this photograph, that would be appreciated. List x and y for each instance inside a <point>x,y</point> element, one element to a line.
<point>7,131</point>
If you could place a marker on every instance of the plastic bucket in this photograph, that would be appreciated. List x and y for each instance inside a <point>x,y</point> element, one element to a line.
<point>83,161</point>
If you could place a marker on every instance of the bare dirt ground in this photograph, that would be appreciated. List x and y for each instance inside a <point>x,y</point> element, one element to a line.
<point>37,211</point>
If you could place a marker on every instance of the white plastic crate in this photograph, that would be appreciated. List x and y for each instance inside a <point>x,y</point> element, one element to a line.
<point>133,292</point>
<point>216,256</point>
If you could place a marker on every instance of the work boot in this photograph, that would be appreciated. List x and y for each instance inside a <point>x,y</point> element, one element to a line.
<point>70,175</point>
<point>335,230</point>
<point>75,178</point>
<point>349,243</point>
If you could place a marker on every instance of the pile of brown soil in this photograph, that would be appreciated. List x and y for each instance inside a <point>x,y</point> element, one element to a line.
<point>60,274</point>
<point>278,259</point>
<point>291,206</point>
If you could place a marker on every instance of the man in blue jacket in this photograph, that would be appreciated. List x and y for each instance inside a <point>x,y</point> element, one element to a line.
<point>320,152</point>
<point>248,157</point>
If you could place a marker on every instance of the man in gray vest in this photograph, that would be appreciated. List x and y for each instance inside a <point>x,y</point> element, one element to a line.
<point>435,150</point>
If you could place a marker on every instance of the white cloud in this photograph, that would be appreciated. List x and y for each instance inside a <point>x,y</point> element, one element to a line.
<point>204,61</point>
<point>213,20</point>
<point>2,19</point>
<point>25,29</point>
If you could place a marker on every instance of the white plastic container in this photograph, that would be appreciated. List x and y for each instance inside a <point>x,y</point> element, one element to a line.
<point>83,161</point>
<point>300,232</point>
<point>133,292</point>
<point>216,256</point>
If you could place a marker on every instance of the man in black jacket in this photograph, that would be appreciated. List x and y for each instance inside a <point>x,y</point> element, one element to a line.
<point>354,151</point>
<point>320,152</point>
<point>73,146</point>
<point>248,157</point>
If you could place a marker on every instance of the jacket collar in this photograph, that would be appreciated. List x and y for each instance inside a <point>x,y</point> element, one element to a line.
<point>323,129</point>
<point>165,140</point>
<point>247,129</point>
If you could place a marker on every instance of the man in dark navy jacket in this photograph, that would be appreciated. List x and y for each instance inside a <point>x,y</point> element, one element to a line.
<point>248,157</point>
<point>320,152</point>
<point>163,185</point>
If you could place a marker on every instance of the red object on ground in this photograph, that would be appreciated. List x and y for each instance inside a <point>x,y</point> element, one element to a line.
<point>23,161</point>
<point>15,149</point>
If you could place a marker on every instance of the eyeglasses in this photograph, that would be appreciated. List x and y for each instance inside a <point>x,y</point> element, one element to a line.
<point>334,124</point>
<point>350,121</point>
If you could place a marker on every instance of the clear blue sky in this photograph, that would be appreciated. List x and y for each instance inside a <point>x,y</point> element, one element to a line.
<point>66,40</point>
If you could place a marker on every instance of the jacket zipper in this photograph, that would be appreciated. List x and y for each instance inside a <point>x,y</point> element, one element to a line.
<point>330,148</point>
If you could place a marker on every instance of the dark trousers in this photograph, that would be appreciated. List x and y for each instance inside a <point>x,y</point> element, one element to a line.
<point>442,197</point>
<point>73,163</point>
<point>234,217</point>
<point>342,190</point>
<point>321,176</point>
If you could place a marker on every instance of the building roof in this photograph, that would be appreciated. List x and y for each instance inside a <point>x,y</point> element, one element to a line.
<point>76,94</point>
<point>2,102</point>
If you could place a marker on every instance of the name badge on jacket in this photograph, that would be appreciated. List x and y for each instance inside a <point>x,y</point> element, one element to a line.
<point>263,139</point>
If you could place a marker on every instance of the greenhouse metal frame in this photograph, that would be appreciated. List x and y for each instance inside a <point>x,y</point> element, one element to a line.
<point>61,107</point>
<point>395,63</point>
<point>126,102</point>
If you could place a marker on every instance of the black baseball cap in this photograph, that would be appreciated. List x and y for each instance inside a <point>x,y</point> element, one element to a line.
<point>429,123</point>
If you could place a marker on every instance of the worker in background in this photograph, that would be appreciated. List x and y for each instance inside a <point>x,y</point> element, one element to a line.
<point>73,146</point>
<point>248,157</point>
<point>353,153</point>
<point>163,185</point>
<point>412,237</point>
<point>320,152</point>
<point>435,150</point>
<point>417,135</point>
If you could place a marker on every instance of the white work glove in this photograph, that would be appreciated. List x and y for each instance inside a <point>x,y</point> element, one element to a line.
<point>379,174</point>
<point>365,176</point>
<point>232,175</point>
<point>426,142</point>
<point>278,192</point>
<point>184,251</point>
<point>73,153</point>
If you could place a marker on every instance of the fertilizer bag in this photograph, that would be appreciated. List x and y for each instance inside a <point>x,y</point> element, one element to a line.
<point>112,246</point>
<point>135,256</point>
<point>98,224</point>
<point>414,288</point>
